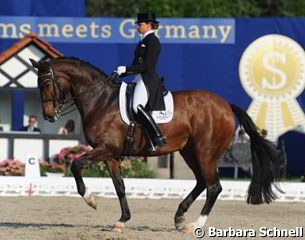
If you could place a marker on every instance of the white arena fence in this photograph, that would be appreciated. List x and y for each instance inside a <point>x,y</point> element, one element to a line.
<point>135,188</point>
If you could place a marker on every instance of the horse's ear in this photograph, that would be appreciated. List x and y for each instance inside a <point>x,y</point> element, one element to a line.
<point>34,63</point>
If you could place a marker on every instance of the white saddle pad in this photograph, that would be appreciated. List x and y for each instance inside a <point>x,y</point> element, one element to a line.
<point>164,116</point>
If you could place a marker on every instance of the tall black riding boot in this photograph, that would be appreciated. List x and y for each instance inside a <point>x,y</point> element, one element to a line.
<point>158,140</point>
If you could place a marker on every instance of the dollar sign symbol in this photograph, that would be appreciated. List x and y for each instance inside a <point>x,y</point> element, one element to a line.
<point>275,83</point>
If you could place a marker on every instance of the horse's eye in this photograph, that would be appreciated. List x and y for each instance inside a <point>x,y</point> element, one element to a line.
<point>45,84</point>
<point>48,84</point>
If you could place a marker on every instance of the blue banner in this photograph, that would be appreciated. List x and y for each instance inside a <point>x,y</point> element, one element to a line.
<point>256,63</point>
<point>118,30</point>
<point>58,8</point>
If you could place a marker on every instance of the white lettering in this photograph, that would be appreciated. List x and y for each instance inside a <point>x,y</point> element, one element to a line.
<point>173,31</point>
<point>131,31</point>
<point>212,232</point>
<point>106,31</point>
<point>231,232</point>
<point>24,29</point>
<point>93,26</point>
<point>194,32</point>
<point>277,233</point>
<point>81,31</point>
<point>48,30</point>
<point>209,31</point>
<point>67,30</point>
<point>5,29</point>
<point>225,31</point>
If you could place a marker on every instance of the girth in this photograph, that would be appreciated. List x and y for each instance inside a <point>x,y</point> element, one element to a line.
<point>129,141</point>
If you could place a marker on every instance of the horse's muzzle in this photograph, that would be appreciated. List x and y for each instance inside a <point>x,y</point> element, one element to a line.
<point>49,118</point>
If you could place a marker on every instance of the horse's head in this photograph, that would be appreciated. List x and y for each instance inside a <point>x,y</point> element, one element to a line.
<point>52,90</point>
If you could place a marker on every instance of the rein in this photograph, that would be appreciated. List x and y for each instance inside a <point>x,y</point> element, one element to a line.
<point>110,78</point>
<point>58,89</point>
<point>64,111</point>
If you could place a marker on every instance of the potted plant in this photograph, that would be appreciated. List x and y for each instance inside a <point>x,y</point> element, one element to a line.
<point>11,167</point>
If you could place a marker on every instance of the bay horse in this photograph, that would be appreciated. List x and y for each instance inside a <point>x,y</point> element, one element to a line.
<point>201,130</point>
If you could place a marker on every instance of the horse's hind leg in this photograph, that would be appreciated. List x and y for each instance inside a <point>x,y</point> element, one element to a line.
<point>209,171</point>
<point>192,162</point>
<point>113,167</point>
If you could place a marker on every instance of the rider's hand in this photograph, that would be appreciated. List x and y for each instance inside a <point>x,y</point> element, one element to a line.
<point>120,70</point>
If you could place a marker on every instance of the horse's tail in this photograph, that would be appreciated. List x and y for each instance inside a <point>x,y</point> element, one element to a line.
<point>265,163</point>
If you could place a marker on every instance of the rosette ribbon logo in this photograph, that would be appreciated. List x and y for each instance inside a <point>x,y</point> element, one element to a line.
<point>272,72</point>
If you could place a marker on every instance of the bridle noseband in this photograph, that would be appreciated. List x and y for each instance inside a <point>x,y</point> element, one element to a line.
<point>59,98</point>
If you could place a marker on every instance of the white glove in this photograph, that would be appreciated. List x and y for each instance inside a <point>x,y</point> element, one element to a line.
<point>120,70</point>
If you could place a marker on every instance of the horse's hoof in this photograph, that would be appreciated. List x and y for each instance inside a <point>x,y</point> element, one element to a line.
<point>118,227</point>
<point>189,228</point>
<point>179,222</point>
<point>90,200</point>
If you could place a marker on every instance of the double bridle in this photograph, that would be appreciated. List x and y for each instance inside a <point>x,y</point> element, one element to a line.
<point>59,98</point>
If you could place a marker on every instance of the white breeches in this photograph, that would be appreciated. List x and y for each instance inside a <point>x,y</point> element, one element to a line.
<point>140,95</point>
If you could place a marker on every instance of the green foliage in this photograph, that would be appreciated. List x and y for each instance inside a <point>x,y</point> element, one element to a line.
<point>294,8</point>
<point>197,8</point>
<point>136,168</point>
<point>95,170</point>
<point>46,167</point>
<point>132,168</point>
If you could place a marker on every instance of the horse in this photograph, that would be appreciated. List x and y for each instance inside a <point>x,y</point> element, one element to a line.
<point>201,130</point>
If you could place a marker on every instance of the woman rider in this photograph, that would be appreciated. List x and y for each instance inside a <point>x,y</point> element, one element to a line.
<point>148,81</point>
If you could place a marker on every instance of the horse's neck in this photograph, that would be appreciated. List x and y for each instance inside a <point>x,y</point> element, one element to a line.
<point>92,96</point>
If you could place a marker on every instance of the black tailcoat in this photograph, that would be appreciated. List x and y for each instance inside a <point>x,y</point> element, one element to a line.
<point>25,129</point>
<point>145,60</point>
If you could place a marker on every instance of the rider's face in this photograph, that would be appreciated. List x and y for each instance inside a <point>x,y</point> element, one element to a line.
<point>143,27</point>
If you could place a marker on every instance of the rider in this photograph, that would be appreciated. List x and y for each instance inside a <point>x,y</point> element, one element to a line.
<point>148,81</point>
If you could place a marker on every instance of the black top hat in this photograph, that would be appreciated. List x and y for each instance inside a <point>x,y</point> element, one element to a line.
<point>146,17</point>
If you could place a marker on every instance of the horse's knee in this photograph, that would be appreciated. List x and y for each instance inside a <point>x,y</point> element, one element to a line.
<point>75,168</point>
<point>76,171</point>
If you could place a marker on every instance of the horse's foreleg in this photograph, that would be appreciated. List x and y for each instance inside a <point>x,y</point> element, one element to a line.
<point>113,167</point>
<point>76,168</point>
